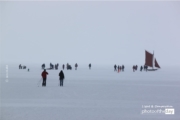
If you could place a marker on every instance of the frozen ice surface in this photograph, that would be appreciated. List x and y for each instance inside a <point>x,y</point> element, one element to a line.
<point>96,94</point>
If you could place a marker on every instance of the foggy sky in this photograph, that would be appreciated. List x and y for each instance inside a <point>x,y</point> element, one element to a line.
<point>90,32</point>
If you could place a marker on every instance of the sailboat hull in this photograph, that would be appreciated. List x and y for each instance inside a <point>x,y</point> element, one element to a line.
<point>152,69</point>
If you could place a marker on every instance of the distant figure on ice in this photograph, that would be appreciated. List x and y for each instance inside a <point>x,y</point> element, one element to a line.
<point>28,69</point>
<point>67,65</point>
<point>144,67</point>
<point>63,66</point>
<point>56,66</point>
<point>115,67</point>
<point>20,67</point>
<point>141,68</point>
<point>118,68</point>
<point>122,67</point>
<point>43,66</point>
<point>61,77</point>
<point>134,67</point>
<point>76,65</point>
<point>89,65</point>
<point>44,76</point>
<point>50,65</point>
<point>24,67</point>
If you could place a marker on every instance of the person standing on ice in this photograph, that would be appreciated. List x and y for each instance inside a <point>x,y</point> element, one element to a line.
<point>118,68</point>
<point>61,77</point>
<point>67,66</point>
<point>144,67</point>
<point>141,68</point>
<point>115,67</point>
<point>20,66</point>
<point>123,68</point>
<point>44,76</point>
<point>76,65</point>
<point>63,66</point>
<point>136,67</point>
<point>90,66</point>
<point>133,68</point>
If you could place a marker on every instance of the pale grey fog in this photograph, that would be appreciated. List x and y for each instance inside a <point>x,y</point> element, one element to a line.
<point>89,32</point>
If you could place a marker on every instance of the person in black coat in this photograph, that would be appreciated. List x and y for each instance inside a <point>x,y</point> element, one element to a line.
<point>61,77</point>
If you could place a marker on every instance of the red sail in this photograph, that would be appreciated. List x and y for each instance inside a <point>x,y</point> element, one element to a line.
<point>156,64</point>
<point>149,59</point>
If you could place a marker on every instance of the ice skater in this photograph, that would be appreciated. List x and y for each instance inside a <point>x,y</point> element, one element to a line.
<point>61,77</point>
<point>44,76</point>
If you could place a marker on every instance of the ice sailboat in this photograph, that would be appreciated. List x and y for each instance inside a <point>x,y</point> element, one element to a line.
<point>150,61</point>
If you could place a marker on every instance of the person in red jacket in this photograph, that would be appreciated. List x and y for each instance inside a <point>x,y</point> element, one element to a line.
<point>44,76</point>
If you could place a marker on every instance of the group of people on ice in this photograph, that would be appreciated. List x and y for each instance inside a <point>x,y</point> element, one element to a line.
<point>145,67</point>
<point>118,68</point>
<point>54,66</point>
<point>44,77</point>
<point>135,67</point>
<point>22,67</point>
<point>51,66</point>
<point>61,74</point>
<point>68,66</point>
